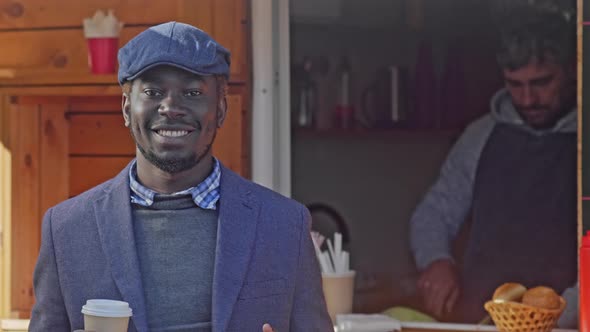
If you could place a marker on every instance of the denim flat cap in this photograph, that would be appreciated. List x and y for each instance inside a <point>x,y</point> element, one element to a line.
<point>176,44</point>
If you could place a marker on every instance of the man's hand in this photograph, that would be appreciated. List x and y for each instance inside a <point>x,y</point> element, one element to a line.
<point>267,328</point>
<point>439,286</point>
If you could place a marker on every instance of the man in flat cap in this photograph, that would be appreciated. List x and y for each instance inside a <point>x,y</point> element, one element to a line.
<point>190,245</point>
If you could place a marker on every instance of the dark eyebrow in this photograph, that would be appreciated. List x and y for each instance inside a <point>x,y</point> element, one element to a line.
<point>199,78</point>
<point>513,82</point>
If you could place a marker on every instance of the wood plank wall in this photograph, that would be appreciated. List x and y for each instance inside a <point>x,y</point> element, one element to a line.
<point>45,36</point>
<point>579,63</point>
<point>99,141</point>
<point>25,199</point>
<point>5,207</point>
<point>583,121</point>
<point>57,120</point>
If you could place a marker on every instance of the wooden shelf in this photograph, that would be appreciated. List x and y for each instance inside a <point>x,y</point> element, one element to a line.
<point>38,77</point>
<point>54,77</point>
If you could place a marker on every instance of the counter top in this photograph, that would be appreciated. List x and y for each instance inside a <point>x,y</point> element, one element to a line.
<point>449,327</point>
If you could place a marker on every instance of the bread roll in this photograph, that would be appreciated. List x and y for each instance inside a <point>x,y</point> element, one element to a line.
<point>542,297</point>
<point>509,291</point>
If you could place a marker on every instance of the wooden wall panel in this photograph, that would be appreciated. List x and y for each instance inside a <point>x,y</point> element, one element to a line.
<point>198,13</point>
<point>92,103</point>
<point>583,117</point>
<point>43,42</point>
<point>25,205</point>
<point>230,29</point>
<point>99,134</point>
<point>5,206</point>
<point>227,146</point>
<point>54,155</point>
<point>74,90</point>
<point>52,52</point>
<point>245,126</point>
<point>87,172</point>
<point>19,14</point>
<point>582,160</point>
<point>44,54</point>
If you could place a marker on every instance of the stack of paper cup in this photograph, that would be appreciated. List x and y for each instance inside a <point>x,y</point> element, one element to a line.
<point>106,315</point>
<point>339,292</point>
<point>102,34</point>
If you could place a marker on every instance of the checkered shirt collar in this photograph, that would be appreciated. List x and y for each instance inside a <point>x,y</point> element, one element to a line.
<point>205,194</point>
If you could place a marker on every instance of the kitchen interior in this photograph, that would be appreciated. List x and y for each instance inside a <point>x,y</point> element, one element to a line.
<point>380,90</point>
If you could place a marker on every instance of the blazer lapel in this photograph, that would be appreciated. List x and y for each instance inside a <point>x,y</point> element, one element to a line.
<point>238,215</point>
<point>115,228</point>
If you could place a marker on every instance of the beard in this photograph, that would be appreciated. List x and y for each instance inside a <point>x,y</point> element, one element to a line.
<point>171,165</point>
<point>550,116</point>
<point>174,165</point>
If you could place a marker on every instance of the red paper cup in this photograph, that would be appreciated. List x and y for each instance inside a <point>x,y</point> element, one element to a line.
<point>102,55</point>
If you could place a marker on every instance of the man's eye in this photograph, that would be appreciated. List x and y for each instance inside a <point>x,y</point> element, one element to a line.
<point>193,93</point>
<point>543,82</point>
<point>152,93</point>
<point>514,84</point>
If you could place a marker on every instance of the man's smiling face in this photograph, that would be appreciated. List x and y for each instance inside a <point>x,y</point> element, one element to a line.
<point>173,116</point>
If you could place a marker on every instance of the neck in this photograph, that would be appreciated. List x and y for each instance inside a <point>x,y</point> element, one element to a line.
<point>166,183</point>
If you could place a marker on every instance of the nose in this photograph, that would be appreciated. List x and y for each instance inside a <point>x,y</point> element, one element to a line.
<point>529,96</point>
<point>171,108</point>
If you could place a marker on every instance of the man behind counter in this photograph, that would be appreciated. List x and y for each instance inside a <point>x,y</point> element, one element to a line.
<point>514,170</point>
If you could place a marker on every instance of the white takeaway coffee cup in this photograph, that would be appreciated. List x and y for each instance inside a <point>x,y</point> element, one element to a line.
<point>106,315</point>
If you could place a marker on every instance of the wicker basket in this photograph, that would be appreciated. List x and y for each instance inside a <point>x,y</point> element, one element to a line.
<point>517,317</point>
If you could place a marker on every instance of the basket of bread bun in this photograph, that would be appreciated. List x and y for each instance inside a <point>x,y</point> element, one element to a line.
<point>514,308</point>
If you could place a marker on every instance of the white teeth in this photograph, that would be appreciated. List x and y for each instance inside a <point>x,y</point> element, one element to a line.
<point>172,133</point>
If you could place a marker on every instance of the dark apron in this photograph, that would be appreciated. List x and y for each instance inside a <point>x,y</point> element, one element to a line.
<point>524,217</point>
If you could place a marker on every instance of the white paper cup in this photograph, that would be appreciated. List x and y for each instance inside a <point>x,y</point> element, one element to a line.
<point>106,315</point>
<point>339,292</point>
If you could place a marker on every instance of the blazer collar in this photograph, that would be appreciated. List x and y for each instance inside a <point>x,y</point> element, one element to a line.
<point>115,228</point>
<point>238,217</point>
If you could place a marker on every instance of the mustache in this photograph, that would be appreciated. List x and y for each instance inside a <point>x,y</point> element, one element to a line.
<point>532,107</point>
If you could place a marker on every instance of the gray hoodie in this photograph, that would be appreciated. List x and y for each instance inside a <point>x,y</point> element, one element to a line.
<point>443,210</point>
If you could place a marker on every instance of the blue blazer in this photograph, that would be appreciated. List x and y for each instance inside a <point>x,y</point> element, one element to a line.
<point>265,265</point>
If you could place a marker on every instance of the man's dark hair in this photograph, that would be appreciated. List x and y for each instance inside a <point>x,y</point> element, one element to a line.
<point>527,34</point>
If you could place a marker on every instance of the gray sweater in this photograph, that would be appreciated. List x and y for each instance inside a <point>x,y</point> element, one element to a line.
<point>176,242</point>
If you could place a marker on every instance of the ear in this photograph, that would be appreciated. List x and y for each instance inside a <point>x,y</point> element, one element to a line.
<point>126,108</point>
<point>221,111</point>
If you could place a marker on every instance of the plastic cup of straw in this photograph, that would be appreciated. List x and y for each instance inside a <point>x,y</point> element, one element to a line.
<point>339,292</point>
